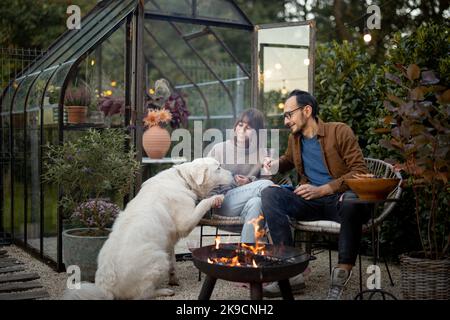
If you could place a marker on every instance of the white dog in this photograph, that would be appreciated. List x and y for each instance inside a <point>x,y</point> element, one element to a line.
<point>138,255</point>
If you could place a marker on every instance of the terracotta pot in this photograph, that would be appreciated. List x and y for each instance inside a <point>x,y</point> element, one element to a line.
<point>76,114</point>
<point>156,142</point>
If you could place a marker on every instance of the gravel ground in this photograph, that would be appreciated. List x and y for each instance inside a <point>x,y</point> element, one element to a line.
<point>317,281</point>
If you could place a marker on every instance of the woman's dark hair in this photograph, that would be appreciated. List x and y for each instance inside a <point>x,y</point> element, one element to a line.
<point>305,98</point>
<point>253,117</point>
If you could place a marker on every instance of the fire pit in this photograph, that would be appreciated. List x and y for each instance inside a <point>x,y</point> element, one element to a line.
<point>249,263</point>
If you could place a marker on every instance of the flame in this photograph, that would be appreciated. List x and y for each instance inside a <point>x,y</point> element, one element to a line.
<point>259,233</point>
<point>257,249</point>
<point>232,262</point>
<point>217,242</point>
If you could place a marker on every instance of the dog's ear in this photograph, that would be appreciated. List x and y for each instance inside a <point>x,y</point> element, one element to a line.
<point>201,175</point>
<point>193,174</point>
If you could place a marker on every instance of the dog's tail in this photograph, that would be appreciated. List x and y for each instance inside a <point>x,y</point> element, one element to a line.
<point>88,291</point>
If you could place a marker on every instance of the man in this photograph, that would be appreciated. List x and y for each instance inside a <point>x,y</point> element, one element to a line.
<point>324,154</point>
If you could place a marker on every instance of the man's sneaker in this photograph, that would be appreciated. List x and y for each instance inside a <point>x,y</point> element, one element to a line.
<point>272,290</point>
<point>339,279</point>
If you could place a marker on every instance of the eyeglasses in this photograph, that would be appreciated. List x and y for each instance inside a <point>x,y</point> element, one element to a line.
<point>288,115</point>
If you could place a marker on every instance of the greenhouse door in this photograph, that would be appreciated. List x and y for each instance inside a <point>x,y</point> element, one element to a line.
<point>283,60</point>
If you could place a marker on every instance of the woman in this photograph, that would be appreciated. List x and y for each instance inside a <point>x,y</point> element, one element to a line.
<point>243,158</point>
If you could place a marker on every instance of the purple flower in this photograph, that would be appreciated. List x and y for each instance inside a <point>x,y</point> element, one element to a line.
<point>96,213</point>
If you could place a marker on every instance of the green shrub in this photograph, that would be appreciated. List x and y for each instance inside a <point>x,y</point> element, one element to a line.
<point>93,166</point>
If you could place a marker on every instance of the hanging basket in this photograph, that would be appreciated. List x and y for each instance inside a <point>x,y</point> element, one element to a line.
<point>156,142</point>
<point>425,279</point>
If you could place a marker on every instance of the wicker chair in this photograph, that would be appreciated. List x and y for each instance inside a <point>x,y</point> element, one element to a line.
<point>380,169</point>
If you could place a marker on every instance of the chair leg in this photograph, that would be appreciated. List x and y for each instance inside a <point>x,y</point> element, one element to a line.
<point>360,274</point>
<point>389,273</point>
<point>329,257</point>
<point>201,245</point>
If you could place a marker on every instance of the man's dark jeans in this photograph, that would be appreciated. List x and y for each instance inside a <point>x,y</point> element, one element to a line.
<point>279,203</point>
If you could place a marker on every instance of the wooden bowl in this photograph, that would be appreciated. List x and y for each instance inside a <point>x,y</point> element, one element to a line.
<point>372,188</point>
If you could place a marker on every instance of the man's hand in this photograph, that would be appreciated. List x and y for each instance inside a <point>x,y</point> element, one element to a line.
<point>268,163</point>
<point>310,192</point>
<point>241,180</point>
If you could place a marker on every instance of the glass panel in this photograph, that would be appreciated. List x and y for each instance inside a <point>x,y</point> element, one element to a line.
<point>163,63</point>
<point>280,76</point>
<point>100,81</point>
<point>6,121</point>
<point>159,64</point>
<point>99,31</point>
<point>18,165</point>
<point>5,162</point>
<point>50,135</point>
<point>33,143</point>
<point>292,35</point>
<point>96,26</point>
<point>52,97</point>
<point>219,9</point>
<point>237,83</point>
<point>239,43</point>
<point>5,195</point>
<point>215,10</point>
<point>188,29</point>
<point>175,7</point>
<point>284,64</point>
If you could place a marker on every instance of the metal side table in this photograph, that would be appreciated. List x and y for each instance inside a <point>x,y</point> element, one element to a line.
<point>373,205</point>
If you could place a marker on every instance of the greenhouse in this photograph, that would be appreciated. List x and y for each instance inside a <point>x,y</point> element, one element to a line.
<point>208,51</point>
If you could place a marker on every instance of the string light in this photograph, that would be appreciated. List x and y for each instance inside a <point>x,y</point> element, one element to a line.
<point>367,36</point>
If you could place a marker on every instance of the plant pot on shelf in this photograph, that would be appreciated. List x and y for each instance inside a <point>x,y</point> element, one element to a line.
<point>76,114</point>
<point>156,142</point>
<point>424,279</point>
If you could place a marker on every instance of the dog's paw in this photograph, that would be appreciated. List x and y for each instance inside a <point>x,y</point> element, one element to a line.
<point>173,280</point>
<point>165,292</point>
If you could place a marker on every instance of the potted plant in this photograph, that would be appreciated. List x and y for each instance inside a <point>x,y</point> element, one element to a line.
<point>420,113</point>
<point>76,101</point>
<point>111,106</point>
<point>161,97</point>
<point>156,139</point>
<point>94,172</point>
<point>177,107</point>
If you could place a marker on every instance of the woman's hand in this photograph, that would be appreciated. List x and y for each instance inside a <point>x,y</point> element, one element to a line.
<point>241,180</point>
<point>217,201</point>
